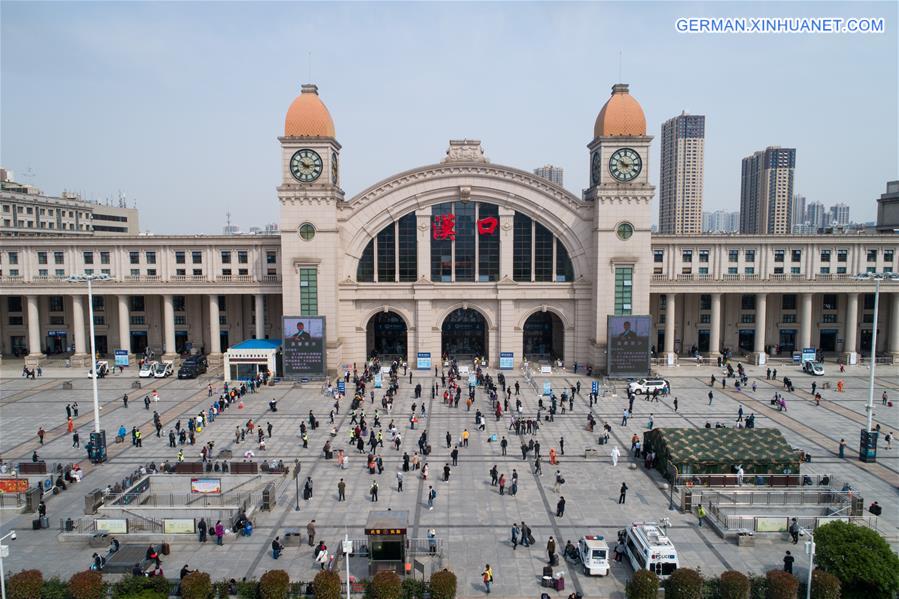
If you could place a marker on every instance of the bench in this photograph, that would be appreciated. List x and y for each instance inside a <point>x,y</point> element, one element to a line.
<point>99,539</point>
<point>39,467</point>
<point>189,468</point>
<point>292,537</point>
<point>244,468</point>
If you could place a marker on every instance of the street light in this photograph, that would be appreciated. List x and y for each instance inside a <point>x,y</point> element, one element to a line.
<point>296,478</point>
<point>4,552</point>
<point>877,277</point>
<point>90,278</point>
<point>810,549</point>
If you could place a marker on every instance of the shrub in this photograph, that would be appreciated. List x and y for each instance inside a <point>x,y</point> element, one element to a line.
<point>684,584</point>
<point>54,589</point>
<point>643,585</point>
<point>758,586</point>
<point>326,585</point>
<point>274,584</point>
<point>141,587</point>
<point>781,585</point>
<point>87,585</point>
<point>26,584</point>
<point>414,589</point>
<point>220,589</point>
<point>443,585</point>
<point>733,585</point>
<point>825,585</point>
<point>859,557</point>
<point>386,585</point>
<point>247,589</point>
<point>196,585</point>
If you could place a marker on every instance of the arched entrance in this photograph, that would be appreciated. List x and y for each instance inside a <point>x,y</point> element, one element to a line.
<point>544,337</point>
<point>385,337</point>
<point>464,334</point>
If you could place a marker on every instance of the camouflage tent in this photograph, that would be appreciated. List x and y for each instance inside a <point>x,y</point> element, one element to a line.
<point>719,450</point>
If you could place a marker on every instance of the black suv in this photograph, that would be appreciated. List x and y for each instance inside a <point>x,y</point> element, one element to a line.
<point>192,367</point>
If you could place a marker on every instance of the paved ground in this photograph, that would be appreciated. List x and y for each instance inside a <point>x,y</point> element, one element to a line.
<point>470,516</point>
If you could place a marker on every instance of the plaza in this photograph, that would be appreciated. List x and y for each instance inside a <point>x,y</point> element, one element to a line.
<point>471,519</point>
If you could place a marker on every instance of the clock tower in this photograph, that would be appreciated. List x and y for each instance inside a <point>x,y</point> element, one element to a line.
<point>621,196</point>
<point>310,194</point>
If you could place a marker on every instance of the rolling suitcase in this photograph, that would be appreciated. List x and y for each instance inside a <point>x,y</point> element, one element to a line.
<point>45,522</point>
<point>560,583</point>
<point>36,524</point>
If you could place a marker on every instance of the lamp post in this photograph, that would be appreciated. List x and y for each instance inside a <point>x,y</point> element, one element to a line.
<point>98,439</point>
<point>4,552</point>
<point>810,549</point>
<point>296,478</point>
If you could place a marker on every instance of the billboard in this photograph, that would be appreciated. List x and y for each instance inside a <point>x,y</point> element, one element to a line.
<point>628,348</point>
<point>178,526</point>
<point>304,346</point>
<point>206,485</point>
<point>506,360</point>
<point>423,360</point>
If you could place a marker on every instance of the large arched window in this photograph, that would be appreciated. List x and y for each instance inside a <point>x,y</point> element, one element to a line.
<point>464,242</point>
<point>392,255</point>
<point>537,255</point>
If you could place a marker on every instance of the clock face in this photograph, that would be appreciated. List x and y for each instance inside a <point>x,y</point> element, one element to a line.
<point>624,231</point>
<point>334,168</point>
<point>625,164</point>
<point>306,166</point>
<point>595,169</point>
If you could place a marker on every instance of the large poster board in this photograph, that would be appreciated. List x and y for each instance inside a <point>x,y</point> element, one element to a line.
<point>208,486</point>
<point>628,353</point>
<point>114,526</point>
<point>304,346</point>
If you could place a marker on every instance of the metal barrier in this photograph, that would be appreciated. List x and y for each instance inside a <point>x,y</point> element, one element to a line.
<point>230,501</point>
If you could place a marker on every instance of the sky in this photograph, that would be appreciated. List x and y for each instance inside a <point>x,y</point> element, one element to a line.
<point>178,106</point>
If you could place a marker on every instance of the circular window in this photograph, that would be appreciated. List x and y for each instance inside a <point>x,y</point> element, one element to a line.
<point>307,231</point>
<point>624,231</point>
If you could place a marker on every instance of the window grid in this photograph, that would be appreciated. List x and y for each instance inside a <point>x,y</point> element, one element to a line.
<point>308,292</point>
<point>624,278</point>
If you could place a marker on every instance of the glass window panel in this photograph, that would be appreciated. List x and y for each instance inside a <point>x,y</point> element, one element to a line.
<point>564,268</point>
<point>365,271</point>
<point>624,278</point>
<point>308,291</point>
<point>543,253</point>
<point>408,242</point>
<point>521,248</point>
<point>387,254</point>
<point>488,246</point>
<point>465,240</point>
<point>441,249</point>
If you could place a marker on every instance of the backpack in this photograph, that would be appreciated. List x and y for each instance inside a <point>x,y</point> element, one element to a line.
<point>433,493</point>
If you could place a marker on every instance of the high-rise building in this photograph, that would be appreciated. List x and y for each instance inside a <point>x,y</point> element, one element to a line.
<point>766,194</point>
<point>839,214</point>
<point>888,209</point>
<point>720,221</point>
<point>681,175</point>
<point>816,215</point>
<point>798,210</point>
<point>550,173</point>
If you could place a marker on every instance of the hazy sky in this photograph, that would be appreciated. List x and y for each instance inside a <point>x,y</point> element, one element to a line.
<point>179,105</point>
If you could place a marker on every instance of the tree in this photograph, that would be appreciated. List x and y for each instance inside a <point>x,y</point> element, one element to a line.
<point>733,585</point>
<point>684,583</point>
<point>196,585</point>
<point>386,585</point>
<point>274,584</point>
<point>825,585</point>
<point>87,585</point>
<point>859,557</point>
<point>781,585</point>
<point>26,584</point>
<point>643,585</point>
<point>326,585</point>
<point>443,585</point>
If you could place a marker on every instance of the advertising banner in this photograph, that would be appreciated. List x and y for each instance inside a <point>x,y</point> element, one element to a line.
<point>808,354</point>
<point>423,360</point>
<point>771,524</point>
<point>178,526</point>
<point>472,380</point>
<point>13,485</point>
<point>628,346</point>
<point>206,486</point>
<point>594,387</point>
<point>304,346</point>
<point>341,387</point>
<point>113,526</point>
<point>121,357</point>
<point>506,360</point>
<point>378,381</point>
<point>547,388</point>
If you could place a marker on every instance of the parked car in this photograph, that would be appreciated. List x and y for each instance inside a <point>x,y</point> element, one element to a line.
<point>163,369</point>
<point>102,368</point>
<point>813,368</point>
<point>594,555</point>
<point>647,386</point>
<point>147,370</point>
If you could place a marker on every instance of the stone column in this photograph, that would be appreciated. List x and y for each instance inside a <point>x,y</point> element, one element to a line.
<point>715,333</point>
<point>168,328</point>
<point>78,328</point>
<point>124,324</point>
<point>34,331</point>
<point>761,314</point>
<point>670,320</point>
<point>215,340</point>
<point>805,327</point>
<point>505,232</point>
<point>423,237</point>
<point>894,326</point>
<point>850,332</point>
<point>260,316</point>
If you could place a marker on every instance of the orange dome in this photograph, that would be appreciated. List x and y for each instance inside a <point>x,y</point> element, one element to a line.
<point>308,116</point>
<point>621,115</point>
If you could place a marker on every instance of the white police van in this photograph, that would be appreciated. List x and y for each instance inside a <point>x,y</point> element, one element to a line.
<point>593,552</point>
<point>649,548</point>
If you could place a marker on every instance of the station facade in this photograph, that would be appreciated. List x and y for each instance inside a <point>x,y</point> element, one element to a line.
<point>461,257</point>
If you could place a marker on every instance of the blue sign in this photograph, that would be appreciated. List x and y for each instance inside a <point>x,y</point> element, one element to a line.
<point>121,357</point>
<point>547,388</point>
<point>341,387</point>
<point>423,361</point>
<point>378,380</point>
<point>594,387</point>
<point>506,360</point>
<point>808,354</point>
<point>472,380</point>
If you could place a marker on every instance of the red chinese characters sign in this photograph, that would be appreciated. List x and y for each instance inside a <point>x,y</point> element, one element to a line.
<point>444,226</point>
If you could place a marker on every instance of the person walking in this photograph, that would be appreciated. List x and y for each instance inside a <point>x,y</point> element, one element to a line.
<point>454,454</point>
<point>202,529</point>
<point>794,530</point>
<point>502,484</point>
<point>310,532</point>
<point>219,532</point>
<point>700,514</point>
<point>711,397</point>
<point>373,491</point>
<point>788,562</point>
<point>616,453</point>
<point>432,495</point>
<point>40,435</point>
<point>341,490</point>
<point>842,450</point>
<point>399,482</point>
<point>675,404</point>
<point>562,445</point>
<point>503,445</point>
<point>446,473</point>
<point>883,398</point>
<point>560,507</point>
<point>494,476</point>
<point>277,548</point>
<point>487,577</point>
<point>558,482</point>
<point>75,440</point>
<point>551,550</point>
<point>516,532</point>
<point>622,493</point>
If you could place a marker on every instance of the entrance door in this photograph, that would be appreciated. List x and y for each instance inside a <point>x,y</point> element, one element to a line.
<point>787,341</point>
<point>702,341</point>
<point>56,344</point>
<point>747,340</point>
<point>180,341</point>
<point>544,337</point>
<point>464,334</point>
<point>386,337</point>
<point>101,344</point>
<point>138,342</point>
<point>828,340</point>
<point>223,339</point>
<point>864,345</point>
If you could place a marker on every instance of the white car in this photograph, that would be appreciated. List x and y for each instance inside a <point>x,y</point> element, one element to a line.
<point>102,368</point>
<point>163,369</point>
<point>647,386</point>
<point>147,370</point>
<point>813,368</point>
<point>593,552</point>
